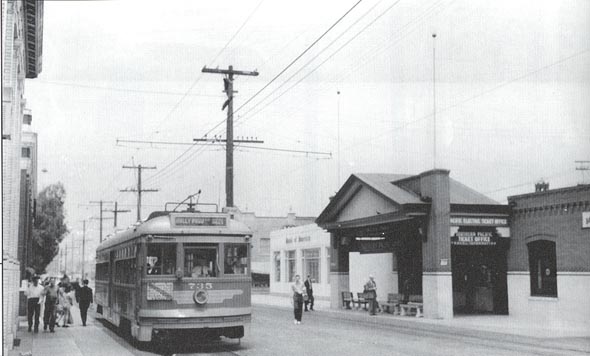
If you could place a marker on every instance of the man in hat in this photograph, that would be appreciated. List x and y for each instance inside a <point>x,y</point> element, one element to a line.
<point>371,289</point>
<point>33,294</point>
<point>85,300</point>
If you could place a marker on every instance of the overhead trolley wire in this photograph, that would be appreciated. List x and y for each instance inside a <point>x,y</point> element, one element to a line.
<point>275,77</point>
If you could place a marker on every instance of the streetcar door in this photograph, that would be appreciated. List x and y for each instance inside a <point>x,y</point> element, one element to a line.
<point>111,278</point>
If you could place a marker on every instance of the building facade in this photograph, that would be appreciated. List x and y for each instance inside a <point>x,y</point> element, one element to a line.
<point>22,31</point>
<point>549,256</point>
<point>302,250</point>
<point>261,226</point>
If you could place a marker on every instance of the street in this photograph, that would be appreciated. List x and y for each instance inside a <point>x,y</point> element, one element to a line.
<point>273,333</point>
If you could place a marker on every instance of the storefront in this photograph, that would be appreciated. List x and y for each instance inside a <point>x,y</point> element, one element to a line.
<point>302,250</point>
<point>425,235</point>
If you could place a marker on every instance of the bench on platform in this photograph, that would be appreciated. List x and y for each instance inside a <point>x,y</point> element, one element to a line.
<point>392,304</point>
<point>347,300</point>
<point>363,298</point>
<point>414,304</point>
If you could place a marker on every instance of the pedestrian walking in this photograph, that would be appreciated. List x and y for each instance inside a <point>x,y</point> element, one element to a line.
<point>371,290</point>
<point>85,294</point>
<point>34,293</point>
<point>309,290</point>
<point>50,296</point>
<point>298,291</point>
<point>65,302</point>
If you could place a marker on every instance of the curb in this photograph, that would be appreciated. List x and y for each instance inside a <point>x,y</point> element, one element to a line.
<point>450,330</point>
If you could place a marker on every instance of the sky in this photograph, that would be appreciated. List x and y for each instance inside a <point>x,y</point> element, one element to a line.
<point>508,83</point>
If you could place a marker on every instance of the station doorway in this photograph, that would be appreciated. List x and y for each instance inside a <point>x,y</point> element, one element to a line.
<point>479,279</point>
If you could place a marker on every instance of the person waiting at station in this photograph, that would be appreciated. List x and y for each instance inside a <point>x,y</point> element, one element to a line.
<point>371,290</point>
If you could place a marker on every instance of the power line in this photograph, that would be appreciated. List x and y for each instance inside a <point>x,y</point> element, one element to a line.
<point>299,56</point>
<point>272,80</point>
<point>318,66</point>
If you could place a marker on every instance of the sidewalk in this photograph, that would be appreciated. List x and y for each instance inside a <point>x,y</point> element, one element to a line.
<point>73,341</point>
<point>494,327</point>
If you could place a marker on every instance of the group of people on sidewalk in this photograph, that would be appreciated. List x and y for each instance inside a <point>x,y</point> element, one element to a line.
<point>302,295</point>
<point>57,302</point>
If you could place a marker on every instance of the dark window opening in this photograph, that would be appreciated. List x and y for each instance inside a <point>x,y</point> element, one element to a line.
<point>200,260</point>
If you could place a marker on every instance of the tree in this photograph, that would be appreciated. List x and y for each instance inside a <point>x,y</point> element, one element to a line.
<point>49,228</point>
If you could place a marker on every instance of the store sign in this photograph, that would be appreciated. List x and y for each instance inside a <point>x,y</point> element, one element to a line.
<point>478,221</point>
<point>373,246</point>
<point>199,221</point>
<point>586,220</point>
<point>474,238</point>
<point>296,239</point>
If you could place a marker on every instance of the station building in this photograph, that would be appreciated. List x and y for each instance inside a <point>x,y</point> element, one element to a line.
<point>303,250</point>
<point>464,253</point>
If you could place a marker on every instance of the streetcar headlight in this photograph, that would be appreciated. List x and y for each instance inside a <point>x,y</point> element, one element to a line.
<point>201,296</point>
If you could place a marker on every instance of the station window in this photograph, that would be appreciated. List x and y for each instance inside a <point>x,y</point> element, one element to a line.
<point>543,265</point>
<point>277,265</point>
<point>311,264</point>
<point>236,259</point>
<point>291,267</point>
<point>161,259</point>
<point>200,260</point>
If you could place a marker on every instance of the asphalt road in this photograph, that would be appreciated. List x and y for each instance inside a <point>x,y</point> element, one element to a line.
<point>273,333</point>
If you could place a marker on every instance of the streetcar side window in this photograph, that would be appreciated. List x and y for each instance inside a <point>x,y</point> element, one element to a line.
<point>161,259</point>
<point>236,259</point>
<point>200,260</point>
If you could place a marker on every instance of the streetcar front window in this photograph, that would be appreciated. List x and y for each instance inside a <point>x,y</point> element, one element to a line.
<point>236,259</point>
<point>200,260</point>
<point>161,258</point>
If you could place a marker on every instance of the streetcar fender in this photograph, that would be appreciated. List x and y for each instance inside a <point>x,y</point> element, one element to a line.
<point>144,333</point>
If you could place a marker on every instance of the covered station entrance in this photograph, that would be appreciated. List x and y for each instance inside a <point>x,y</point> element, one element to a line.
<point>425,235</point>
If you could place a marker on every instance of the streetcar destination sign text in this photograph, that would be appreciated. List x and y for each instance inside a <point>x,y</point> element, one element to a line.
<point>199,221</point>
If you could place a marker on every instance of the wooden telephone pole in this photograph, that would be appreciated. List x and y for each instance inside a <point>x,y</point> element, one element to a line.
<point>101,218</point>
<point>116,211</point>
<point>228,83</point>
<point>139,190</point>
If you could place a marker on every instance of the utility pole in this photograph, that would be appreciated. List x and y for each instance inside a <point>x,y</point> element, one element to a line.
<point>434,99</point>
<point>83,247</point>
<point>139,190</point>
<point>100,203</point>
<point>583,167</point>
<point>115,212</point>
<point>228,83</point>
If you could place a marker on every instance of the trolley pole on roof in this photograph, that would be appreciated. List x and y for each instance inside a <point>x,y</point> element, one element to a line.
<point>228,83</point>
<point>139,189</point>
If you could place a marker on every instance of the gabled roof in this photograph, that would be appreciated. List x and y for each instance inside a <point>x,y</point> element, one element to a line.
<point>399,189</point>
<point>382,183</point>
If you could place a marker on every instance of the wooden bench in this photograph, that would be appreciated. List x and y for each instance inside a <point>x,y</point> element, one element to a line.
<point>362,298</point>
<point>392,304</point>
<point>414,303</point>
<point>347,299</point>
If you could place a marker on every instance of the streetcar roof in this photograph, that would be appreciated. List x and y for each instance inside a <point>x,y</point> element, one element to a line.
<point>180,223</point>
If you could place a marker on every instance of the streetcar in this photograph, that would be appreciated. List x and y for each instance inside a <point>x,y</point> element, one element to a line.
<point>184,274</point>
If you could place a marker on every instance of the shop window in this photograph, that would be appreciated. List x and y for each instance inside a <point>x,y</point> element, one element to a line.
<point>542,264</point>
<point>264,248</point>
<point>236,259</point>
<point>200,260</point>
<point>161,259</point>
<point>311,264</point>
<point>291,267</point>
<point>277,265</point>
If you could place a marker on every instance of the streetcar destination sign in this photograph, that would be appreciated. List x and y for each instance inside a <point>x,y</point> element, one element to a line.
<point>199,221</point>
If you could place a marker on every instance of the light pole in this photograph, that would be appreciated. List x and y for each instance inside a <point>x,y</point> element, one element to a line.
<point>434,99</point>
<point>338,130</point>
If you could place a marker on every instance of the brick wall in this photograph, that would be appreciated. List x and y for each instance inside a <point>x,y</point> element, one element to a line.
<point>553,215</point>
